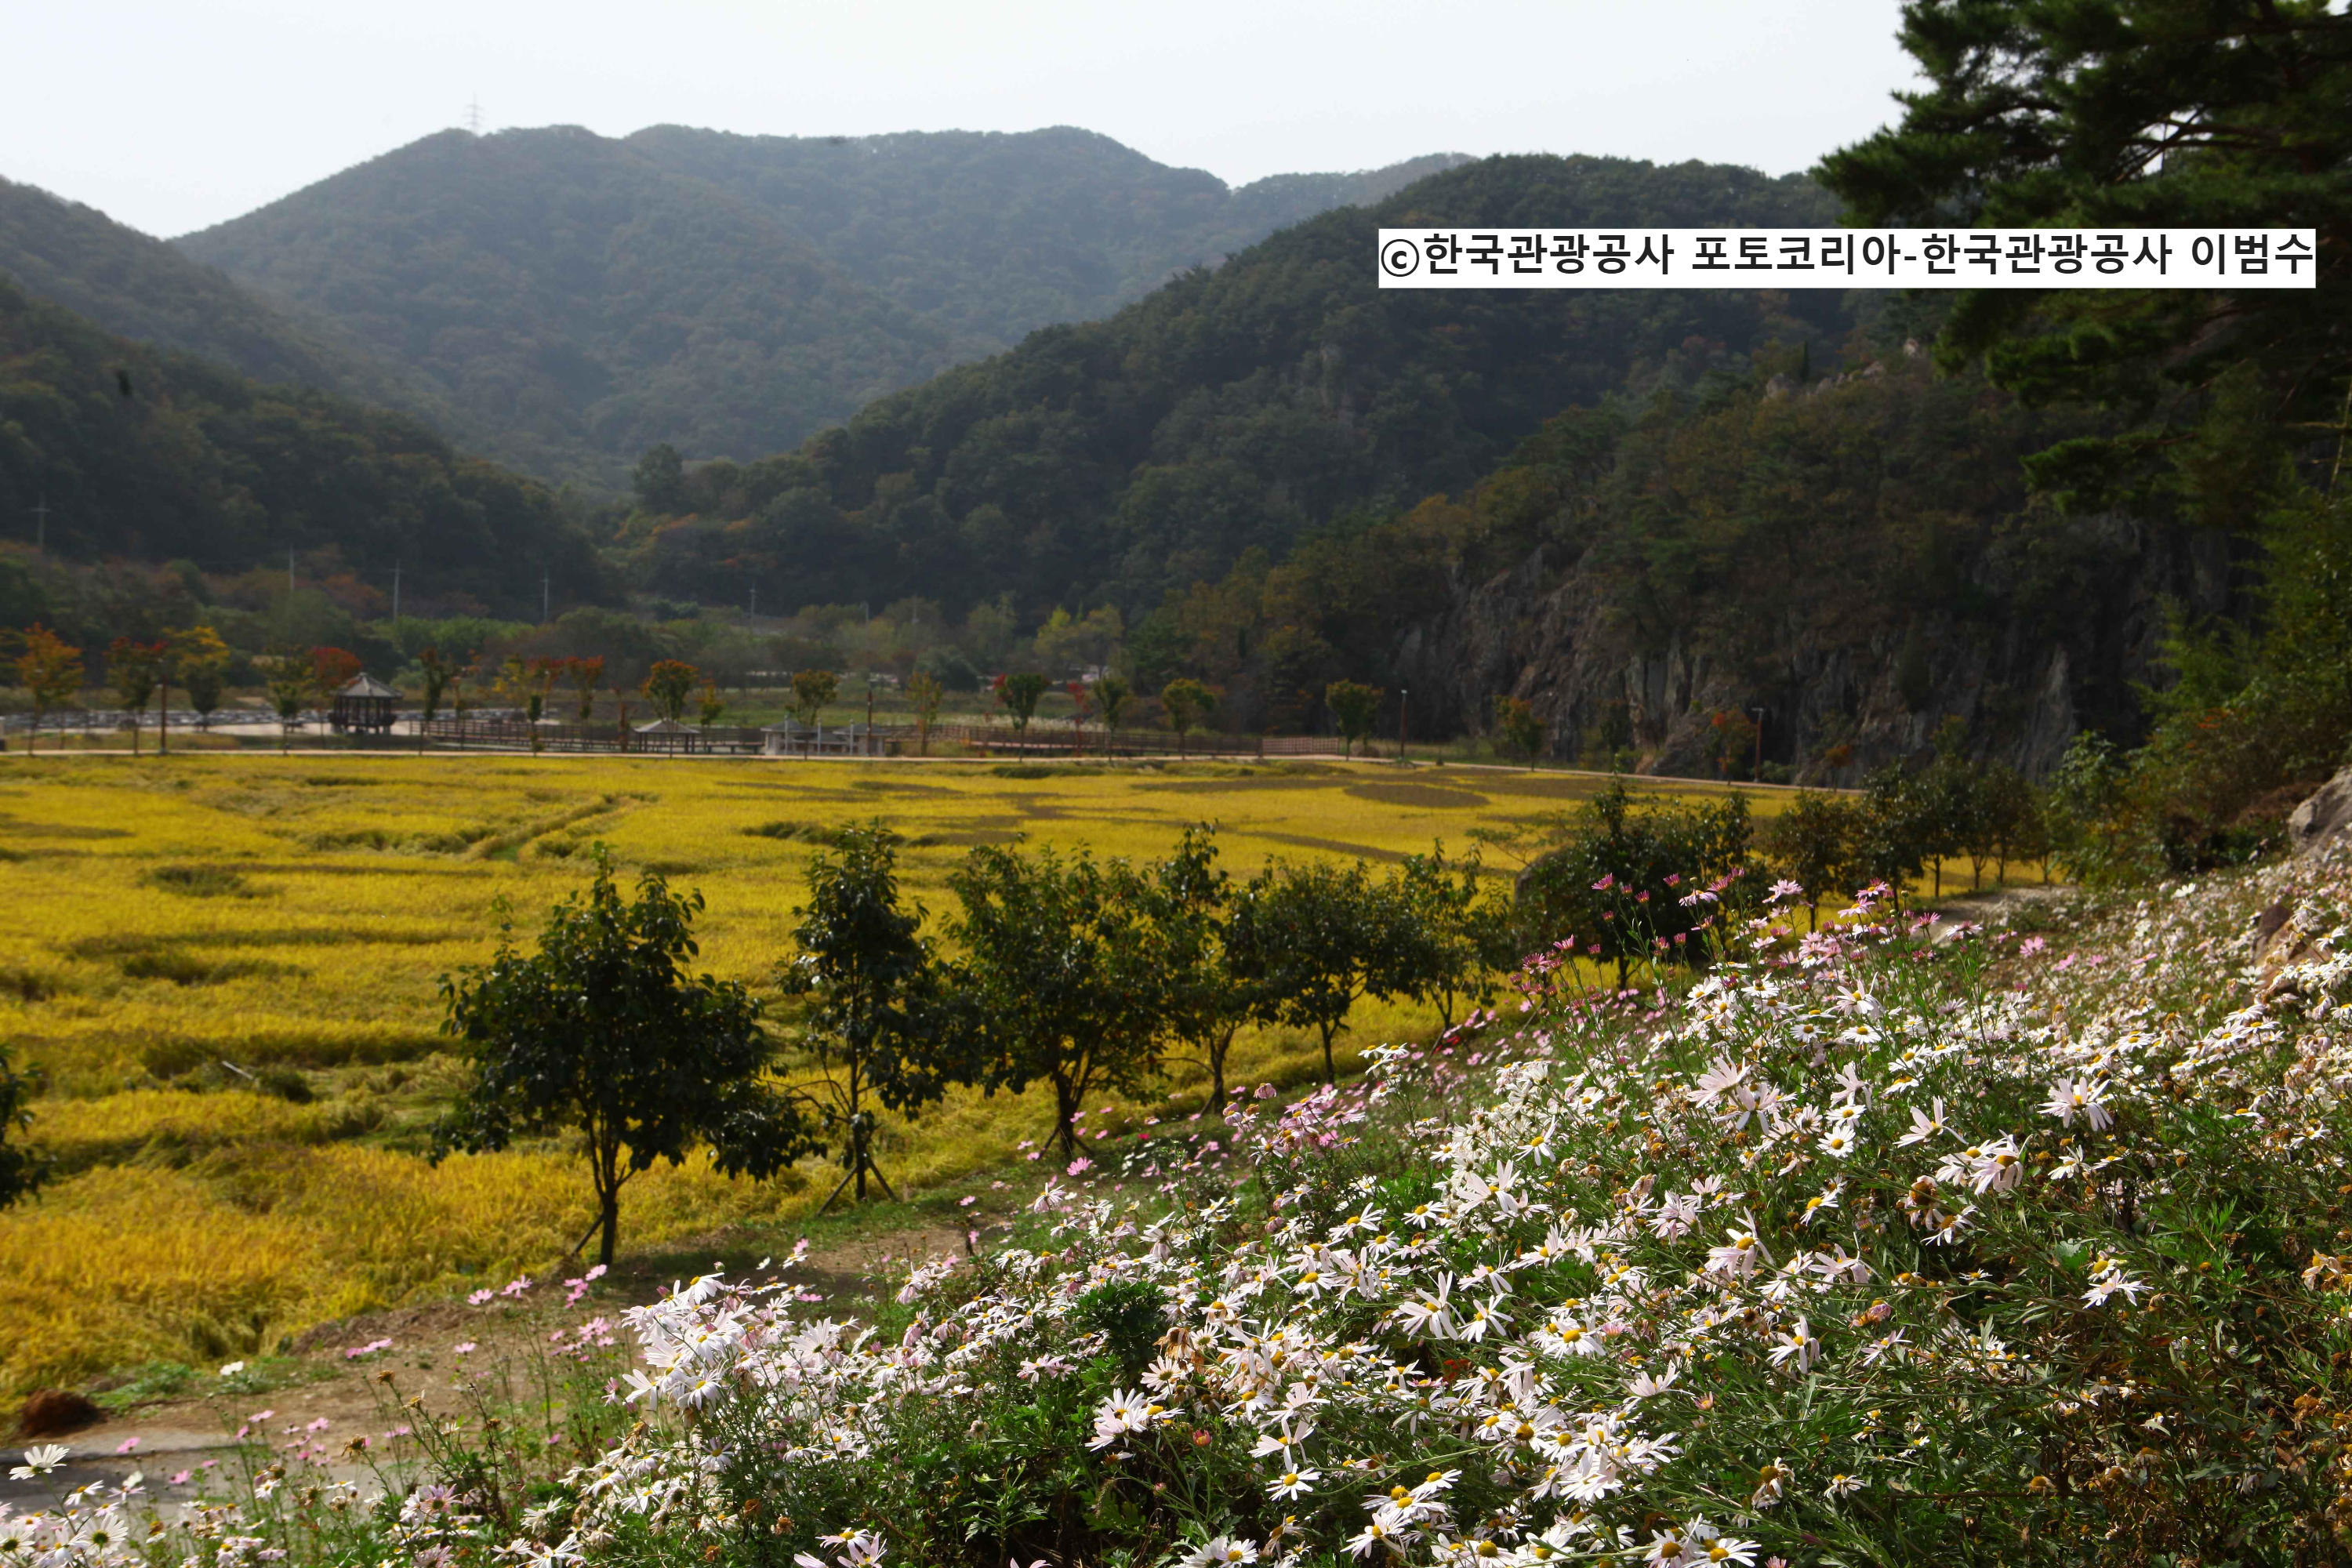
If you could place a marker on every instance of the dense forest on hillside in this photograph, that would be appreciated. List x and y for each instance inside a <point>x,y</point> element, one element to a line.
<point>575,300</point>
<point>1855,553</point>
<point>995,235</point>
<point>137,287</point>
<point>140,453</point>
<point>1233,409</point>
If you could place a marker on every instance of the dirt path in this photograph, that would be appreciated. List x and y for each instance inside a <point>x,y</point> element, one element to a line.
<point>335,1398</point>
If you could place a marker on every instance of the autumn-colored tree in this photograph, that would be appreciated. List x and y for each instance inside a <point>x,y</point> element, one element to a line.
<point>201,661</point>
<point>130,669</point>
<point>1082,702</point>
<point>528,681</point>
<point>331,669</point>
<point>1019,695</point>
<point>49,669</point>
<point>711,706</point>
<point>587,674</point>
<point>669,684</point>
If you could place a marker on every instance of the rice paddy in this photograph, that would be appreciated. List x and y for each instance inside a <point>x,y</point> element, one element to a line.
<point>225,969</point>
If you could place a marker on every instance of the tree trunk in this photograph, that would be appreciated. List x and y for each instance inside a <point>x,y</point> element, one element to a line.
<point>1331,1073</point>
<point>1218,1048</point>
<point>610,1211</point>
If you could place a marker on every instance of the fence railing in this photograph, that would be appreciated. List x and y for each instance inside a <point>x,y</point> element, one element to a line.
<point>496,730</point>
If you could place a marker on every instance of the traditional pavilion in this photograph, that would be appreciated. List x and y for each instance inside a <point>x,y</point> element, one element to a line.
<point>666,736</point>
<point>364,704</point>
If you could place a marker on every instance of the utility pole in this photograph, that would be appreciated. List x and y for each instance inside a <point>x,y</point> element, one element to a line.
<point>40,524</point>
<point>395,591</point>
<point>543,598</point>
<point>869,713</point>
<point>1401,695</point>
<point>755,601</point>
<point>289,570</point>
<point>1759,774</point>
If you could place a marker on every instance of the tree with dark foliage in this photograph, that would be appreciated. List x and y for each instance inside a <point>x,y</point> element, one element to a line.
<point>873,1013</point>
<point>21,1168</point>
<point>603,1031</point>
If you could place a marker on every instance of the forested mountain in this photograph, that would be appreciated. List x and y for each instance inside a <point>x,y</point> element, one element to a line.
<point>576,299</point>
<point>1850,553</point>
<point>993,235</point>
<point>146,454</point>
<point>1232,410</point>
<point>138,287</point>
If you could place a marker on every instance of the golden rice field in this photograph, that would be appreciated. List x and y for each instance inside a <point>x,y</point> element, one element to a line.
<point>181,929</point>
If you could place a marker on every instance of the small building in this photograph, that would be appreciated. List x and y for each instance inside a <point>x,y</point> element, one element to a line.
<point>364,704</point>
<point>667,736</point>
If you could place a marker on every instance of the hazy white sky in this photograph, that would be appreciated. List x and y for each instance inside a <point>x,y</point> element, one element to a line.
<point>174,114</point>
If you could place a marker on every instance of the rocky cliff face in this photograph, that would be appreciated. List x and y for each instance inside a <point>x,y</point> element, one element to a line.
<point>1838,694</point>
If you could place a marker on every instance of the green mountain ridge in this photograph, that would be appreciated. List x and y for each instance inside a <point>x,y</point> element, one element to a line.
<point>1233,409</point>
<point>143,454</point>
<point>576,299</point>
<point>138,287</point>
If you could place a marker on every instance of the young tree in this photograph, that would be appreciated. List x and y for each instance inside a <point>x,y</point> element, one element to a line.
<point>604,1032</point>
<point>202,661</point>
<point>1517,731</point>
<point>331,669</point>
<point>812,689</point>
<point>1946,801</point>
<point>1186,702</point>
<point>21,1169</point>
<point>49,669</point>
<point>526,682</point>
<point>439,673</point>
<point>130,669</point>
<point>875,1015</point>
<point>1893,830</point>
<point>2022,825</point>
<point>1811,843</point>
<point>1056,981</point>
<point>1187,902</point>
<point>710,706</point>
<point>1019,694</point>
<point>1356,708</point>
<point>1114,696</point>
<point>1315,939</point>
<point>1453,940</point>
<point>1082,701</point>
<point>924,694</point>
<point>668,685</point>
<point>199,660</point>
<point>290,686</point>
<point>587,674</point>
